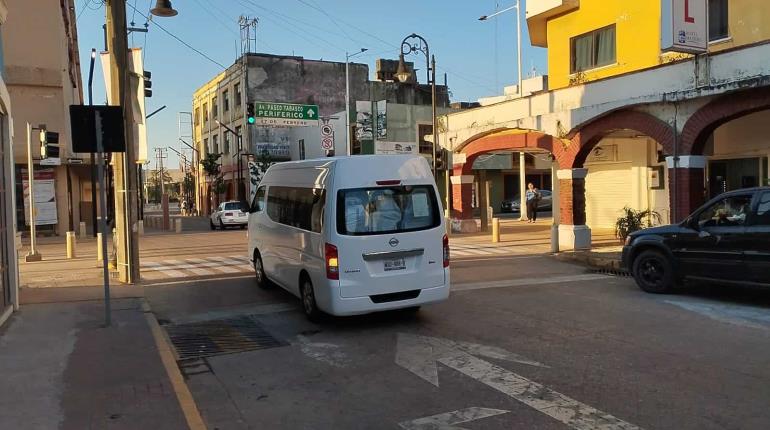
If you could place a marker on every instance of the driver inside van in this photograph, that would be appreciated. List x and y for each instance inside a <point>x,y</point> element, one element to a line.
<point>355,212</point>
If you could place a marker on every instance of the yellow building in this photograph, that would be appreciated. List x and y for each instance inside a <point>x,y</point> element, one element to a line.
<point>594,39</point>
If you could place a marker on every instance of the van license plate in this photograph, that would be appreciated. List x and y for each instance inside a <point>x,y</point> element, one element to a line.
<point>395,264</point>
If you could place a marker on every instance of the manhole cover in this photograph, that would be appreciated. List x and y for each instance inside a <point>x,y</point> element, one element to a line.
<point>217,337</point>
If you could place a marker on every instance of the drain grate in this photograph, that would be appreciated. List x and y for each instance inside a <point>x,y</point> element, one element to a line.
<point>612,272</point>
<point>218,337</point>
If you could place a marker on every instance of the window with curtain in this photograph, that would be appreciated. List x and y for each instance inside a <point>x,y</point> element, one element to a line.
<point>594,49</point>
<point>718,14</point>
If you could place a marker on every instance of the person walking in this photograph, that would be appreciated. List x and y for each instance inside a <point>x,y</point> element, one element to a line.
<point>533,199</point>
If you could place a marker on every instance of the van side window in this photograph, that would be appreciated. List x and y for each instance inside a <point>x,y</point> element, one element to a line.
<point>258,204</point>
<point>302,208</point>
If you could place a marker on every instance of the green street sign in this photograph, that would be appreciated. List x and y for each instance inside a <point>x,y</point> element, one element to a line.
<point>285,114</point>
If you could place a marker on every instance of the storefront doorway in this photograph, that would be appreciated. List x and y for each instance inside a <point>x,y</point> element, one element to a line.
<point>728,175</point>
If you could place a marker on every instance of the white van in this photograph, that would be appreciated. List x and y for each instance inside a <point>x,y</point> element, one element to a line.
<point>351,235</point>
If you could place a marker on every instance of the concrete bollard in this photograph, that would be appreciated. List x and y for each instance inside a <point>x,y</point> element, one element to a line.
<point>70,245</point>
<point>83,232</point>
<point>495,230</point>
<point>140,227</point>
<point>178,223</point>
<point>98,247</point>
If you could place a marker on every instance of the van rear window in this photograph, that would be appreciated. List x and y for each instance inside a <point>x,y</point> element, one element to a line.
<point>385,210</point>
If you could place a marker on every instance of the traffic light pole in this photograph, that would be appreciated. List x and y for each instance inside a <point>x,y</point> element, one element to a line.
<point>33,254</point>
<point>124,164</point>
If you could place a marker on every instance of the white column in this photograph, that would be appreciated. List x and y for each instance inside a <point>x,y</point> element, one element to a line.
<point>523,185</point>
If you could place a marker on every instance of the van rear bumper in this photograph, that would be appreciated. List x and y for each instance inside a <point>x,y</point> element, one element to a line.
<point>363,305</point>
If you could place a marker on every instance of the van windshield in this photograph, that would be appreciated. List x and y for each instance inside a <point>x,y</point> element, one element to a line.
<point>383,210</point>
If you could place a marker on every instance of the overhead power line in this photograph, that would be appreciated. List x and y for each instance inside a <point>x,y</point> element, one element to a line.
<point>197,51</point>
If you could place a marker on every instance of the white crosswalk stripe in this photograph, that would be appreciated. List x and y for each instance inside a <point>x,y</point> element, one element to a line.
<point>190,267</point>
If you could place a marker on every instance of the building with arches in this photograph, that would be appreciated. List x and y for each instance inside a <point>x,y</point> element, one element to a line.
<point>629,125</point>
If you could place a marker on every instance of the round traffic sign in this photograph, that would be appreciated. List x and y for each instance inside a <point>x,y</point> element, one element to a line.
<point>327,143</point>
<point>326,130</point>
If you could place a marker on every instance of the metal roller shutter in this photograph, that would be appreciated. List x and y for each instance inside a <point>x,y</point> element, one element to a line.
<point>608,190</point>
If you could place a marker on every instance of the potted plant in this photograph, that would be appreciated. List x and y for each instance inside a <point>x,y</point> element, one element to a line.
<point>634,220</point>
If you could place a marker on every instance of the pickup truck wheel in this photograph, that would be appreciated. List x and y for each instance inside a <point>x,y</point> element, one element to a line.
<point>653,272</point>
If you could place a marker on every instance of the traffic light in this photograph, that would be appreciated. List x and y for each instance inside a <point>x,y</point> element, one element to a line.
<point>147,84</point>
<point>250,113</point>
<point>441,159</point>
<point>49,144</point>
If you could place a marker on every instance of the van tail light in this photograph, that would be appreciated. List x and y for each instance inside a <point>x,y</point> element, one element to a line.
<point>446,251</point>
<point>332,262</point>
<point>228,214</point>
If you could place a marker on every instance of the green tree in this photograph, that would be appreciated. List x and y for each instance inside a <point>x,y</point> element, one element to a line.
<point>154,186</point>
<point>257,169</point>
<point>212,169</point>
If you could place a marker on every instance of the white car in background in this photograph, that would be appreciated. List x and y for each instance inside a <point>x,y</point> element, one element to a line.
<point>229,214</point>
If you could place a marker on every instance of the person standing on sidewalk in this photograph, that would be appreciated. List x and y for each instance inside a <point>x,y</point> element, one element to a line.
<point>533,199</point>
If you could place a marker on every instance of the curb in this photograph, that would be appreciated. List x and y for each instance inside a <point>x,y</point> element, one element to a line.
<point>592,260</point>
<point>184,397</point>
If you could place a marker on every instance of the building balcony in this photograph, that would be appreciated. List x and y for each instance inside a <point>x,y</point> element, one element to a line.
<point>538,13</point>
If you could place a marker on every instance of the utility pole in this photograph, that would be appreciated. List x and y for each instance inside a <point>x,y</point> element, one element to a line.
<point>124,164</point>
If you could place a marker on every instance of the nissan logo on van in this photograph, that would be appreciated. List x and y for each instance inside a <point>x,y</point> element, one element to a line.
<point>393,242</point>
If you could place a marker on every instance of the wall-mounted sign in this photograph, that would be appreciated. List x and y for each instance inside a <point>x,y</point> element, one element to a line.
<point>285,114</point>
<point>392,148</point>
<point>45,197</point>
<point>684,26</point>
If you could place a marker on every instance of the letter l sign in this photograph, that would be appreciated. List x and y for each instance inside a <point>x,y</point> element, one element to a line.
<point>687,17</point>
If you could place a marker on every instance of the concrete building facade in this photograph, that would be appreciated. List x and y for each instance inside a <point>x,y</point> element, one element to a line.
<point>43,79</point>
<point>648,131</point>
<point>291,79</point>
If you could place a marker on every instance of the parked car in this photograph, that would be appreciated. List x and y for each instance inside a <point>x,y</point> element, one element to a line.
<point>229,214</point>
<point>727,240</point>
<point>514,205</point>
<point>351,235</point>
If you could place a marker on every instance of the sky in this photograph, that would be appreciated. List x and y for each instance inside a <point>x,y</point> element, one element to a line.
<point>479,58</point>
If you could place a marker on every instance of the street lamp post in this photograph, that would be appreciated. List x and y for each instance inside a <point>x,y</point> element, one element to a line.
<point>347,98</point>
<point>412,44</point>
<point>517,6</point>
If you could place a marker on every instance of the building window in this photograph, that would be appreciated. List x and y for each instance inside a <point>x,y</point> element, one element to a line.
<point>206,146</point>
<point>225,101</point>
<point>237,91</point>
<point>302,149</point>
<point>239,140</point>
<point>214,105</point>
<point>205,113</point>
<point>227,143</point>
<point>594,49</point>
<point>197,116</point>
<point>215,142</point>
<point>718,14</point>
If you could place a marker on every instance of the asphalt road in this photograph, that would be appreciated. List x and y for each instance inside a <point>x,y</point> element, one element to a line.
<point>523,342</point>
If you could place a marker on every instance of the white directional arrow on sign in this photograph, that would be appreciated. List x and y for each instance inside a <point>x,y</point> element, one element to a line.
<point>419,355</point>
<point>310,113</point>
<point>448,420</point>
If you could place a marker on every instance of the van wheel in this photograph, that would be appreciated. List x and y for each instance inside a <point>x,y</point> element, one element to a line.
<point>308,301</point>
<point>654,273</point>
<point>259,272</point>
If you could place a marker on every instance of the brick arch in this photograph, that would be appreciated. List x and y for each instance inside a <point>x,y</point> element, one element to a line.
<point>719,111</point>
<point>501,140</point>
<point>585,137</point>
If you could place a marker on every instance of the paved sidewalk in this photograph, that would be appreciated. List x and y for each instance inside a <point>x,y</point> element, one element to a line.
<point>62,369</point>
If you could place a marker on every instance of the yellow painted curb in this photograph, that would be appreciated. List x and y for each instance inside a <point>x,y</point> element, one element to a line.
<point>183,395</point>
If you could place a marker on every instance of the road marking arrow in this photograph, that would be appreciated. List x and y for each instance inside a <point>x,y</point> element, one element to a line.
<point>447,421</point>
<point>419,355</point>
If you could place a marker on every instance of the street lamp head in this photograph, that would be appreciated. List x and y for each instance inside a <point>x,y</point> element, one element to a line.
<point>364,49</point>
<point>402,73</point>
<point>163,8</point>
<point>483,18</point>
<point>93,52</point>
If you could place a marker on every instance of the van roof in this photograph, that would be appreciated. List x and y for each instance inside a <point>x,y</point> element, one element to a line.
<point>365,170</point>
